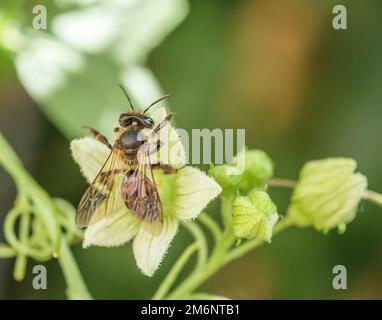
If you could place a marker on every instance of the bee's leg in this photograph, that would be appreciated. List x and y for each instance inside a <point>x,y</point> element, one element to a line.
<point>99,137</point>
<point>163,123</point>
<point>167,169</point>
<point>156,148</point>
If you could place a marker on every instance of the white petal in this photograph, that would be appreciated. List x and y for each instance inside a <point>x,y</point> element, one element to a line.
<point>194,191</point>
<point>90,154</point>
<point>112,232</point>
<point>158,115</point>
<point>149,249</point>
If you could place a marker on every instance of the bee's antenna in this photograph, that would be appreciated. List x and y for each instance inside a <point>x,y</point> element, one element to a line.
<point>156,101</point>
<point>127,96</point>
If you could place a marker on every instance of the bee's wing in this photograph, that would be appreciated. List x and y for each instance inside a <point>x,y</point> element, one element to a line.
<point>141,195</point>
<point>103,198</point>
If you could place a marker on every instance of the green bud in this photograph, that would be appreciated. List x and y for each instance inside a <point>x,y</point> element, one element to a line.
<point>229,176</point>
<point>250,169</point>
<point>254,216</point>
<point>258,169</point>
<point>327,194</point>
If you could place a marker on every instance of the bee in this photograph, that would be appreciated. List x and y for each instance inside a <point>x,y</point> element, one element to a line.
<point>126,178</point>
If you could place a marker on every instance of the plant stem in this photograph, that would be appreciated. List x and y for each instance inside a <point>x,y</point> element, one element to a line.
<point>211,225</point>
<point>76,288</point>
<point>200,239</point>
<point>226,207</point>
<point>250,245</point>
<point>218,259</point>
<point>173,274</point>
<point>7,251</point>
<point>204,296</point>
<point>212,265</point>
<point>373,197</point>
<point>286,183</point>
<point>21,259</point>
<point>44,208</point>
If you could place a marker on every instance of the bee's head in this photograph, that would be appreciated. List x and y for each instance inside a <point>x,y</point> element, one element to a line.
<point>135,119</point>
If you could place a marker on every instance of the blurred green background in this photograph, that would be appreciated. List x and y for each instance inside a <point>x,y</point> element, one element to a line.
<point>301,89</point>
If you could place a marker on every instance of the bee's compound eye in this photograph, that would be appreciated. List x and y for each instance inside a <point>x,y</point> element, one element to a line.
<point>149,122</point>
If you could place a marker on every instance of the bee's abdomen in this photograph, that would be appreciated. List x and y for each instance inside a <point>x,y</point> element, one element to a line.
<point>141,197</point>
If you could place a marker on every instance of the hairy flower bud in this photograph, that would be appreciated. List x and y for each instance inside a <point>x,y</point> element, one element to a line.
<point>250,169</point>
<point>258,169</point>
<point>228,176</point>
<point>254,216</point>
<point>327,194</point>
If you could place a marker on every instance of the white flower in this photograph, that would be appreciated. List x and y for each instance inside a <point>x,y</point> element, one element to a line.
<point>183,195</point>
